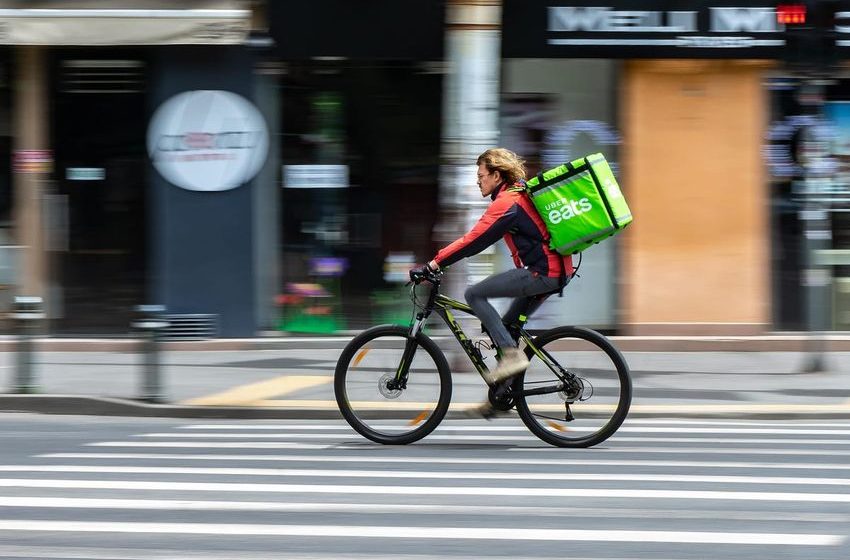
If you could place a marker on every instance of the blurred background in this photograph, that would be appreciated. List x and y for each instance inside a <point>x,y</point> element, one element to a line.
<point>270,167</point>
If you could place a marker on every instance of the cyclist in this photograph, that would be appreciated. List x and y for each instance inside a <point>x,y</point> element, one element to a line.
<point>539,271</point>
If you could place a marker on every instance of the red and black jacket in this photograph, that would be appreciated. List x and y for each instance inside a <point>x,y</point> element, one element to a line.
<point>511,215</point>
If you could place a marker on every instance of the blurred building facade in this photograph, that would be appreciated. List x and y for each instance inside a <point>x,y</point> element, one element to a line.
<point>700,113</point>
<point>348,156</point>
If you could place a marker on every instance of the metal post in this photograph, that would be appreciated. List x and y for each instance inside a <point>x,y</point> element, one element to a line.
<point>817,279</point>
<point>29,311</point>
<point>817,232</point>
<point>150,324</point>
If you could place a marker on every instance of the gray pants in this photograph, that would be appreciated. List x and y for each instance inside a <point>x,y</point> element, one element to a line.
<point>528,289</point>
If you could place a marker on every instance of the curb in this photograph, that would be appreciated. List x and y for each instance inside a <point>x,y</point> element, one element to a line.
<point>105,406</point>
<point>760,343</point>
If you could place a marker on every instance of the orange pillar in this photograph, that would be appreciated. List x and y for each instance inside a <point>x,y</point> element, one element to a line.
<point>30,133</point>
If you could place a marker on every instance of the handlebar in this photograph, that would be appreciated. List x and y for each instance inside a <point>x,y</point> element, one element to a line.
<point>417,276</point>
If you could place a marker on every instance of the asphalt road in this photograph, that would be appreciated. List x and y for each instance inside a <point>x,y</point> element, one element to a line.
<point>123,488</point>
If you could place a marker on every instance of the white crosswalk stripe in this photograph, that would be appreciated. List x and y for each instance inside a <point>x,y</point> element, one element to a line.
<point>469,481</point>
<point>384,474</point>
<point>451,460</point>
<point>483,533</point>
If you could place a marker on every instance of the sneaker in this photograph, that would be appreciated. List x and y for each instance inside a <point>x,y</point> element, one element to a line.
<point>485,410</point>
<point>513,363</point>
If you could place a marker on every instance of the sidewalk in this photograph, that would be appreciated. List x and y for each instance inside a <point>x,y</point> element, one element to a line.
<point>293,378</point>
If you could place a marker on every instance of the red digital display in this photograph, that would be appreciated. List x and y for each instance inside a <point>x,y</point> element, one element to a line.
<point>791,14</point>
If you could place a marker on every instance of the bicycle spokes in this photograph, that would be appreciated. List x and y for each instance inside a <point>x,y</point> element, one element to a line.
<point>392,382</point>
<point>556,426</point>
<point>359,357</point>
<point>421,417</point>
<point>574,390</point>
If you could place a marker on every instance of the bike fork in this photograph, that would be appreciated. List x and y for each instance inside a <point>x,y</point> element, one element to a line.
<point>400,380</point>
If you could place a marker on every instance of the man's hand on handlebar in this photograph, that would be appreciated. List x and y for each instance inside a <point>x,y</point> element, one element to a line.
<point>424,273</point>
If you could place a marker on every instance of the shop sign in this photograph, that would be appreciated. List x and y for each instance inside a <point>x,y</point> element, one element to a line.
<point>328,266</point>
<point>208,140</point>
<point>641,29</point>
<point>32,161</point>
<point>630,27</point>
<point>85,174</point>
<point>315,176</point>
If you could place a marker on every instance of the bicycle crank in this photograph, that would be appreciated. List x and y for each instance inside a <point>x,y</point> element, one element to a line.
<point>500,396</point>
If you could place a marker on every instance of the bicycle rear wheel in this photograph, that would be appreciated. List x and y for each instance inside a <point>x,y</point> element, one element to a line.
<point>599,401</point>
<point>365,391</point>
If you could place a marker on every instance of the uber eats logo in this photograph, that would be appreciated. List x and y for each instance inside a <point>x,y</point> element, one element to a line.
<point>563,209</point>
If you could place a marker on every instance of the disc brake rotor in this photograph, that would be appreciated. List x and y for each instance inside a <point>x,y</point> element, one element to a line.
<point>383,386</point>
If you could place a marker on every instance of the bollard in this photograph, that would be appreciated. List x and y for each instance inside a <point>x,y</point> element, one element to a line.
<point>28,314</point>
<point>150,323</point>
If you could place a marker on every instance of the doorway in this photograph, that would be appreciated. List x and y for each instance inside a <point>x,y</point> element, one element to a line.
<point>99,195</point>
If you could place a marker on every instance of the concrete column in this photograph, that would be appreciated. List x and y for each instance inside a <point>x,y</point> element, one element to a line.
<point>470,124</point>
<point>30,132</point>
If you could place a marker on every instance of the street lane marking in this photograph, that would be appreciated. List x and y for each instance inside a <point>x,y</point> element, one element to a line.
<point>495,442</point>
<point>426,490</point>
<point>708,422</point>
<point>212,444</point>
<point>457,475</point>
<point>699,450</point>
<point>500,440</point>
<point>691,409</point>
<point>254,393</point>
<point>632,426</point>
<point>452,461</point>
<point>501,437</point>
<point>363,405</point>
<point>441,533</point>
<point>438,509</point>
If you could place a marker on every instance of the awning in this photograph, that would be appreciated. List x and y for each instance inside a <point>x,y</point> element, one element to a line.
<point>140,23</point>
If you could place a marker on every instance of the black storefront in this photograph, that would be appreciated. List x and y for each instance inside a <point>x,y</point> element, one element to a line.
<point>360,93</point>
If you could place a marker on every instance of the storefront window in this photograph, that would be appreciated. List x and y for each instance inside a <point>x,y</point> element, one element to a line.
<point>553,111</point>
<point>808,155</point>
<point>360,151</point>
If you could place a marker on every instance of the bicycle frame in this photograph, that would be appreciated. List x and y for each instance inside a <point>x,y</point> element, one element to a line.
<point>444,305</point>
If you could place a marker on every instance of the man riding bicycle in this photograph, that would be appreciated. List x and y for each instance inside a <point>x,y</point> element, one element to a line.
<point>539,271</point>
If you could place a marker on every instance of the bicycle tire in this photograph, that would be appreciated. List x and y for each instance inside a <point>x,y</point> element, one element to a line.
<point>586,353</point>
<point>387,337</point>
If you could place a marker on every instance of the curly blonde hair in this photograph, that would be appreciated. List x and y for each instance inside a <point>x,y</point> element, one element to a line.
<point>507,163</point>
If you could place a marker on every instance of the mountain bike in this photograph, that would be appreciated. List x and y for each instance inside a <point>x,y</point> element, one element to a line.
<point>393,384</point>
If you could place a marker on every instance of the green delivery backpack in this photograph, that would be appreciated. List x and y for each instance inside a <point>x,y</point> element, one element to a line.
<point>580,203</point>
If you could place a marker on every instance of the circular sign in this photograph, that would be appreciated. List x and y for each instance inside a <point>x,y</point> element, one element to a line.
<point>208,140</point>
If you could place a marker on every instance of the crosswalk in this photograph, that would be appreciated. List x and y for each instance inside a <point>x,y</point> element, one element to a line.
<point>659,489</point>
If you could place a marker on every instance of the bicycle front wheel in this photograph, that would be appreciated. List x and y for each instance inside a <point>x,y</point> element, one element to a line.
<point>598,399</point>
<point>371,399</point>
